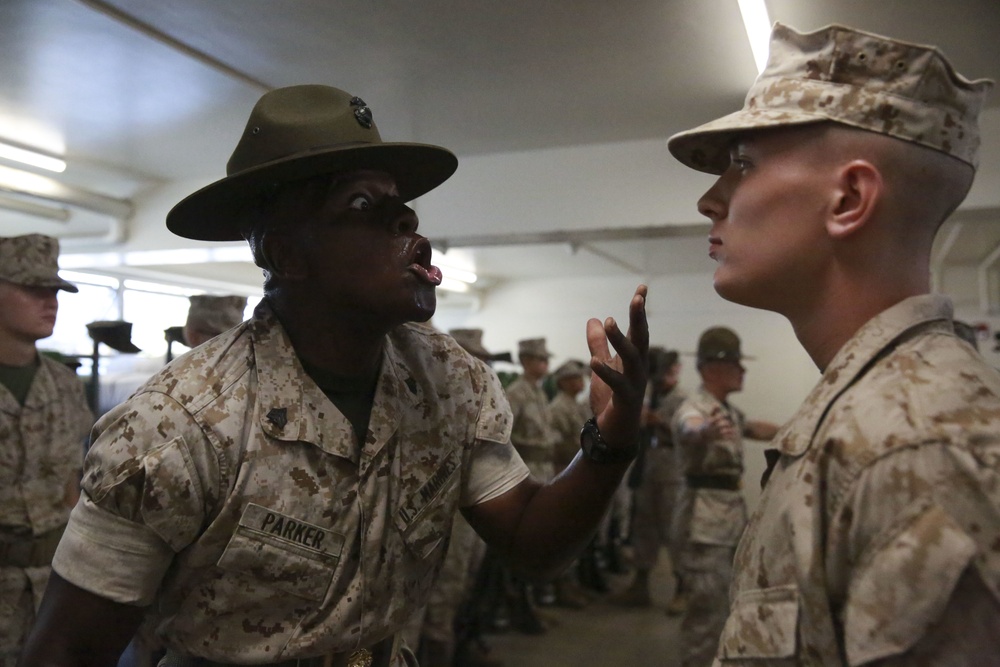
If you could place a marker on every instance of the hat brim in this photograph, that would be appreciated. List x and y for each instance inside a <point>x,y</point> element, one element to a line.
<point>706,147</point>
<point>215,212</point>
<point>743,357</point>
<point>57,283</point>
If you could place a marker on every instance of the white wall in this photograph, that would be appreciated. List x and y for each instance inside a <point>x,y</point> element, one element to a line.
<point>679,309</point>
<point>617,185</point>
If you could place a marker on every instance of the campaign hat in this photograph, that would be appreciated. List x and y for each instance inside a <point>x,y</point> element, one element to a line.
<point>471,340</point>
<point>116,334</point>
<point>295,133</point>
<point>719,344</point>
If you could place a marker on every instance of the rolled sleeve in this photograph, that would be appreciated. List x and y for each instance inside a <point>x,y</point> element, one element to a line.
<point>110,556</point>
<point>493,467</point>
<point>150,482</point>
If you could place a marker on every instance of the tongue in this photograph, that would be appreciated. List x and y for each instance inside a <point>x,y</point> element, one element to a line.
<point>431,275</point>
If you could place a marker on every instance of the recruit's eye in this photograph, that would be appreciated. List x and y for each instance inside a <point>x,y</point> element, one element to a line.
<point>739,161</point>
<point>360,203</point>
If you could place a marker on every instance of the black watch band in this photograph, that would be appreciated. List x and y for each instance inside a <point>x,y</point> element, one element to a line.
<point>597,450</point>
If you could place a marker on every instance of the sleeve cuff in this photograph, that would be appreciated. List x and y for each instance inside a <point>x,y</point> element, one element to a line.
<point>110,556</point>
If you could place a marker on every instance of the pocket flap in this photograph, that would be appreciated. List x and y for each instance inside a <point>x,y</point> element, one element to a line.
<point>762,624</point>
<point>904,586</point>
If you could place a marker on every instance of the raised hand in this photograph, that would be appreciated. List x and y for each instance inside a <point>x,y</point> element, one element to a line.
<point>618,382</point>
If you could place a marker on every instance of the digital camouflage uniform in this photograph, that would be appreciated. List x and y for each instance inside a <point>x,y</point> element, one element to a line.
<point>232,496</point>
<point>532,432</point>
<point>710,521</point>
<point>436,620</point>
<point>568,416</point>
<point>41,450</point>
<point>658,493</point>
<point>886,490</point>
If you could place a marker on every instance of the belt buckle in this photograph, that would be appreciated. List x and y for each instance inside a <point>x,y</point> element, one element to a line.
<point>360,658</point>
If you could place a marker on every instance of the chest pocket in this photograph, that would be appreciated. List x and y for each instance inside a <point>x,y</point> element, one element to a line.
<point>718,517</point>
<point>762,624</point>
<point>284,553</point>
<point>424,518</point>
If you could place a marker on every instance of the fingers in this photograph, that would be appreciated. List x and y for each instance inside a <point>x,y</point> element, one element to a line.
<point>638,327</point>
<point>596,340</point>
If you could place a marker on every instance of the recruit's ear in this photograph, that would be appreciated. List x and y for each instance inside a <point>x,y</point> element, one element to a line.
<point>859,189</point>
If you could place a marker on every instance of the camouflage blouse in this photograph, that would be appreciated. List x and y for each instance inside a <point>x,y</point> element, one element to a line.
<point>886,490</point>
<point>231,496</point>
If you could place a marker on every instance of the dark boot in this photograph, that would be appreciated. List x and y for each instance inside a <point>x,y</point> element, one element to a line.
<point>637,594</point>
<point>524,616</point>
<point>434,653</point>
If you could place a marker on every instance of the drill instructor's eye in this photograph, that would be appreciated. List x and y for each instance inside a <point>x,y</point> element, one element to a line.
<point>360,203</point>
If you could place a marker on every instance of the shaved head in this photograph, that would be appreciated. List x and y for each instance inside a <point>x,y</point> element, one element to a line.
<point>923,186</point>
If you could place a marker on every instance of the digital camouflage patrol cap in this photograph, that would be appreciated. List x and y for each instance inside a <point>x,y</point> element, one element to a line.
<point>533,347</point>
<point>212,314</point>
<point>855,78</point>
<point>32,260</point>
<point>571,369</point>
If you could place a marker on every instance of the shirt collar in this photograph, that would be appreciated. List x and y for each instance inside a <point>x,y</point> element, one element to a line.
<point>294,408</point>
<point>869,343</point>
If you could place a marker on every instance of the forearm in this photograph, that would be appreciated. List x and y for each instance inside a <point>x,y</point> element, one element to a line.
<point>75,628</point>
<point>693,436</point>
<point>559,518</point>
<point>761,430</point>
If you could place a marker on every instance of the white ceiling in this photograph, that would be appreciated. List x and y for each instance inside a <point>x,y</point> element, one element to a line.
<point>141,93</point>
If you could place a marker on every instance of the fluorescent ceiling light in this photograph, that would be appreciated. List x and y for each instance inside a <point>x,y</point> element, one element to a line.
<point>758,27</point>
<point>58,214</point>
<point>34,158</point>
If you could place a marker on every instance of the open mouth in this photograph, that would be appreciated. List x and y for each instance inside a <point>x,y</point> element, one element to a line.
<point>421,265</point>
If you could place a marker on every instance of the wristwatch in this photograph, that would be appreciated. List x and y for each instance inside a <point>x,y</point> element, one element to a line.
<point>598,451</point>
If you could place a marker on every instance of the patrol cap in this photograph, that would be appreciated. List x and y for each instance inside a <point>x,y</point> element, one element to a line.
<point>570,369</point>
<point>533,347</point>
<point>295,133</point>
<point>471,340</point>
<point>855,78</point>
<point>116,334</point>
<point>32,260</point>
<point>214,314</point>
<point>719,344</point>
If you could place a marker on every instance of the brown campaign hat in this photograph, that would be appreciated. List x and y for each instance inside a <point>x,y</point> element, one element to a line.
<point>855,78</point>
<point>211,314</point>
<point>116,334</point>
<point>719,344</point>
<point>32,260</point>
<point>533,347</point>
<point>295,133</point>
